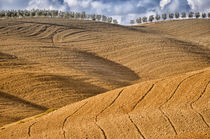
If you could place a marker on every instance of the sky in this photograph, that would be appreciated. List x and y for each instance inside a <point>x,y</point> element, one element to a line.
<point>122,10</point>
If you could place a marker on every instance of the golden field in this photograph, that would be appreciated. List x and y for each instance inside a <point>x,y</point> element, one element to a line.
<point>84,79</point>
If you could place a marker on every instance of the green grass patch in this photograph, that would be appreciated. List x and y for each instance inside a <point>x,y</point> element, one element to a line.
<point>46,112</point>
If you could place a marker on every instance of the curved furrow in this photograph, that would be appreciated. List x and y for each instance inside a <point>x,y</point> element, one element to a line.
<point>22,30</point>
<point>137,128</point>
<point>70,35</point>
<point>27,30</point>
<point>162,105</point>
<point>80,41</point>
<point>96,118</point>
<point>169,121</point>
<point>57,36</point>
<point>53,36</point>
<point>29,128</point>
<point>56,24</point>
<point>45,33</point>
<point>65,120</point>
<point>191,105</point>
<point>1,28</point>
<point>174,92</point>
<point>60,36</point>
<point>40,30</point>
<point>102,130</point>
<point>134,107</point>
<point>5,31</point>
<point>202,93</point>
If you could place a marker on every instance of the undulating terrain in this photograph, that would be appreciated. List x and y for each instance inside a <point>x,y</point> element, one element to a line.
<point>105,80</point>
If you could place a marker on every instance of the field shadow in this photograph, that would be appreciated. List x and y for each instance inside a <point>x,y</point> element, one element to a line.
<point>102,68</point>
<point>20,100</point>
<point>79,86</point>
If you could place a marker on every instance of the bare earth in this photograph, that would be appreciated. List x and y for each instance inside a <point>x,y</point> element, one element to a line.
<point>106,81</point>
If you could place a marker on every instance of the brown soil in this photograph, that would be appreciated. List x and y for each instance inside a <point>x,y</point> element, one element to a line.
<point>153,109</point>
<point>161,71</point>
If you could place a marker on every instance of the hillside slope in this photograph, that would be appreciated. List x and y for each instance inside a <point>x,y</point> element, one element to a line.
<point>49,63</point>
<point>196,31</point>
<point>171,107</point>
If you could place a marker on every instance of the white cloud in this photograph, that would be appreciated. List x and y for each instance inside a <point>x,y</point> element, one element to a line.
<point>99,7</point>
<point>174,6</point>
<point>45,4</point>
<point>38,4</point>
<point>199,5</point>
<point>12,4</point>
<point>85,3</point>
<point>72,3</point>
<point>123,10</point>
<point>163,3</point>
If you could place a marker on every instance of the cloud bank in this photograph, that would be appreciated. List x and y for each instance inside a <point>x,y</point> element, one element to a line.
<point>123,10</point>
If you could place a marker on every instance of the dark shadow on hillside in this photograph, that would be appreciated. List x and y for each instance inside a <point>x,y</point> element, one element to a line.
<point>69,83</point>
<point>20,100</point>
<point>7,56</point>
<point>102,68</point>
<point>192,48</point>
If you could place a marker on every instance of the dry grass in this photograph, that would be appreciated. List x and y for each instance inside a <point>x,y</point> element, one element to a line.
<point>47,63</point>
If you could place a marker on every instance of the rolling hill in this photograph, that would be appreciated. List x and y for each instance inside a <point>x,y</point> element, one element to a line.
<point>152,109</point>
<point>155,77</point>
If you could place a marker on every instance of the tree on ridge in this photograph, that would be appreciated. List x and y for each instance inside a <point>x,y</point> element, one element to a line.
<point>177,15</point>
<point>204,15</point>
<point>171,15</point>
<point>151,18</point>
<point>191,14</point>
<point>157,17</point>
<point>138,20</point>
<point>197,14</point>
<point>164,16</point>
<point>183,15</point>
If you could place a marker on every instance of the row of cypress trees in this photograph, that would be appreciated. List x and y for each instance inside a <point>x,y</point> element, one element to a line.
<point>103,18</point>
<point>171,16</point>
<point>55,14</point>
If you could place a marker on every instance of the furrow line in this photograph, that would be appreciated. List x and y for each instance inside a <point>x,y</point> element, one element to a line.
<point>101,129</point>
<point>160,108</point>
<point>139,131</point>
<point>174,92</point>
<point>201,94</point>
<point>1,28</point>
<point>65,120</point>
<point>143,97</point>
<point>170,122</point>
<point>96,119</point>
<point>203,119</point>
<point>25,30</point>
<point>43,29</point>
<point>50,24</point>
<point>73,33</point>
<point>191,105</point>
<point>53,35</point>
<point>29,129</point>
